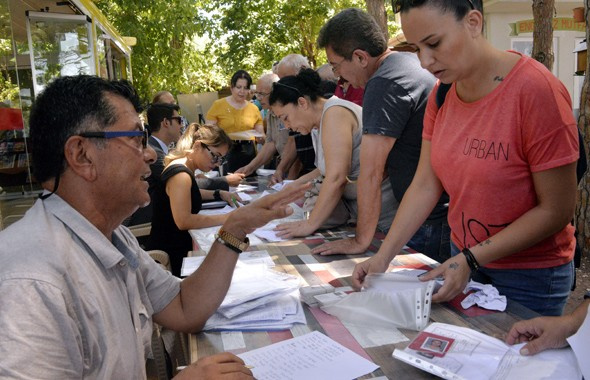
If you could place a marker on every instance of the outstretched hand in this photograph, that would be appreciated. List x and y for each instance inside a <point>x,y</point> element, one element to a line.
<point>455,272</point>
<point>276,177</point>
<point>375,264</point>
<point>541,333</point>
<point>230,197</point>
<point>243,170</point>
<point>344,246</point>
<point>246,219</point>
<point>294,229</point>
<point>234,179</point>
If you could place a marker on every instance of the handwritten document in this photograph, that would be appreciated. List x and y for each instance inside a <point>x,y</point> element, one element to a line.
<point>309,356</point>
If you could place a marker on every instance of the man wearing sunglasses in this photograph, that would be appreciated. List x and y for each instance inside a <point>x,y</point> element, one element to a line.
<point>165,125</point>
<point>78,295</point>
<point>396,92</point>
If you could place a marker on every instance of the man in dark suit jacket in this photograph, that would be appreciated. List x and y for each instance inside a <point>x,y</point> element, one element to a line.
<point>165,125</point>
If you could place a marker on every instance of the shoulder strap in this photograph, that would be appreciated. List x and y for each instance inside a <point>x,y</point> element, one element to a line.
<point>441,93</point>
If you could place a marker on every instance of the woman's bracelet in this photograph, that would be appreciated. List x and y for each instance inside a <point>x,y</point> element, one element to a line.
<point>471,261</point>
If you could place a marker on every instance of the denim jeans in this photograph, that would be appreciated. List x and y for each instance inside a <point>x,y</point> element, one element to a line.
<point>544,290</point>
<point>433,239</point>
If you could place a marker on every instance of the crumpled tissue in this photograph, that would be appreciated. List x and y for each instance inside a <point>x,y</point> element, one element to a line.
<point>486,296</point>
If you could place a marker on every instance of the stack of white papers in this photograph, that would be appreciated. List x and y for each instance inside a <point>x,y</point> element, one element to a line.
<point>242,187</point>
<point>204,237</point>
<point>191,264</point>
<point>258,298</point>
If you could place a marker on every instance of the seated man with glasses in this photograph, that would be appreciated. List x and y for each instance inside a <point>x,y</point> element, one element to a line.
<point>178,198</point>
<point>277,134</point>
<point>165,126</point>
<point>78,295</point>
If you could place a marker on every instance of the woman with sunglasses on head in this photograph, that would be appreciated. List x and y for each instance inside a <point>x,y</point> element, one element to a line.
<point>234,114</point>
<point>335,126</point>
<point>504,146</point>
<point>178,199</point>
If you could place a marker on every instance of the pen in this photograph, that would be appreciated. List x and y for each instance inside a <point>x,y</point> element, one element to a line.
<point>235,202</point>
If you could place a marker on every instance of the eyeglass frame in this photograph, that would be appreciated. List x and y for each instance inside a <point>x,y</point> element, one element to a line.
<point>261,94</point>
<point>215,158</point>
<point>336,65</point>
<point>144,133</point>
<point>177,118</point>
<point>396,5</point>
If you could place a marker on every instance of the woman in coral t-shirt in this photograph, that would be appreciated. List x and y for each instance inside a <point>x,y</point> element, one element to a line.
<point>504,147</point>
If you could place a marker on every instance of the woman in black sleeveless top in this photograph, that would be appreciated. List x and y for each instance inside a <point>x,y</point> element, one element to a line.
<point>178,199</point>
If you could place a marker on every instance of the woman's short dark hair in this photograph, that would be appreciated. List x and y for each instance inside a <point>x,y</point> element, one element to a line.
<point>241,74</point>
<point>290,89</point>
<point>68,106</point>
<point>458,7</point>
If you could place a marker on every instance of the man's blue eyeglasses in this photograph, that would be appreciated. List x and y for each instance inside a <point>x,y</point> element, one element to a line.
<point>144,134</point>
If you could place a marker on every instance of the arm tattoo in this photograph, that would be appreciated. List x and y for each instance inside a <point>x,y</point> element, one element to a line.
<point>487,242</point>
<point>498,78</point>
<point>454,266</point>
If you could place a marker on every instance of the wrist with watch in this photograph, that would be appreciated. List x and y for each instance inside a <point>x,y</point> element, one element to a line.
<point>232,242</point>
<point>217,195</point>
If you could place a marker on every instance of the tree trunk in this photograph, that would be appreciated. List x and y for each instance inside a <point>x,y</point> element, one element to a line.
<point>543,32</point>
<point>376,8</point>
<point>582,212</point>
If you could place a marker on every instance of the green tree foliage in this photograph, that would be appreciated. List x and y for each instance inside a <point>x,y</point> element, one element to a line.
<point>260,32</point>
<point>166,56</point>
<point>8,87</point>
<point>194,46</point>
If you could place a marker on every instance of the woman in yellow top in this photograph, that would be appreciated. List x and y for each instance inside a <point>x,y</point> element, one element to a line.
<point>236,114</point>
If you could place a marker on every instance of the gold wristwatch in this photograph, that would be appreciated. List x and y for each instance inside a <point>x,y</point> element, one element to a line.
<point>232,242</point>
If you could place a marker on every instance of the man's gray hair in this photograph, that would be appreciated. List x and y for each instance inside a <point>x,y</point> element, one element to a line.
<point>295,62</point>
<point>326,73</point>
<point>268,79</point>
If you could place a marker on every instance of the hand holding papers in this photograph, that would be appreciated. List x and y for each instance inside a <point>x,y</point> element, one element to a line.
<point>467,354</point>
<point>387,300</point>
<point>310,356</point>
<point>191,264</point>
<point>263,210</point>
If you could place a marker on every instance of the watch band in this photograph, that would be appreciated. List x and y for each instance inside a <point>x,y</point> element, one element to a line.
<point>231,241</point>
<point>217,195</point>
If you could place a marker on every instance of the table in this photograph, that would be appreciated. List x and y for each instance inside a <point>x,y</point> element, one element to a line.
<point>294,257</point>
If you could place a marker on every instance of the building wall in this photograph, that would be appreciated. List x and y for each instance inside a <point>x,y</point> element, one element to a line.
<point>498,33</point>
